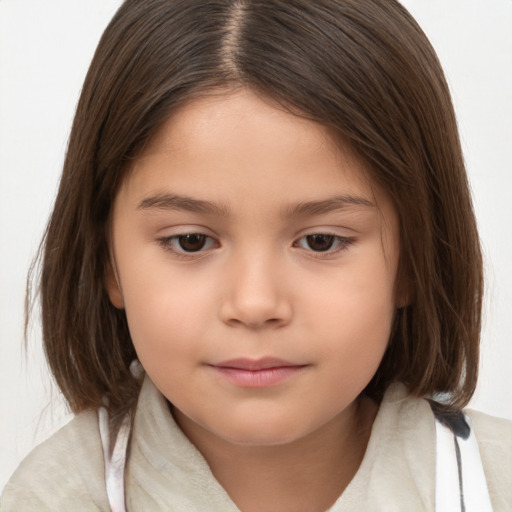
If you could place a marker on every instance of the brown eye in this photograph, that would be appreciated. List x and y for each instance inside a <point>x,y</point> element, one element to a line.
<point>324,244</point>
<point>320,242</point>
<point>192,242</point>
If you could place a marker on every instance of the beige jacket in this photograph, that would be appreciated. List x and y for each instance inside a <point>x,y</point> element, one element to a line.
<point>166,473</point>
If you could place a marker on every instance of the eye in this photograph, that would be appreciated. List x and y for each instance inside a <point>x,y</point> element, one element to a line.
<point>323,242</point>
<point>188,243</point>
<point>319,242</point>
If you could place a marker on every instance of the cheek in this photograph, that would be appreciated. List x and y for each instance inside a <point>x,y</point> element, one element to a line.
<point>167,310</point>
<point>361,297</point>
<point>355,313</point>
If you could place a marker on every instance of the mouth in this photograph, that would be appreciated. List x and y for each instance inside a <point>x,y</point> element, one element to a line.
<point>257,373</point>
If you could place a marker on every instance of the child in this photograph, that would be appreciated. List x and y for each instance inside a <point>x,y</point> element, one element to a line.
<point>261,263</point>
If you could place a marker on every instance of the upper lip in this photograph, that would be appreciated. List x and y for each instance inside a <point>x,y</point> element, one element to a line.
<point>264,363</point>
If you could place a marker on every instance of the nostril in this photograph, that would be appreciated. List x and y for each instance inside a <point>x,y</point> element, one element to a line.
<point>255,322</point>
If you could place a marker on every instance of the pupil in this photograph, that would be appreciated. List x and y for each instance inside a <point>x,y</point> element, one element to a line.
<point>320,242</point>
<point>192,243</point>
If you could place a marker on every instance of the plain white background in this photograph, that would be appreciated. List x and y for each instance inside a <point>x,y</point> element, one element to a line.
<point>45,49</point>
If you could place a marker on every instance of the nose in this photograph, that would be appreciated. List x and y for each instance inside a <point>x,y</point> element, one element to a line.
<point>255,294</point>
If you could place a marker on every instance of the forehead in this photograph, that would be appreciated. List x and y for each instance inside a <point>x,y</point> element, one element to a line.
<point>246,117</point>
<point>243,143</point>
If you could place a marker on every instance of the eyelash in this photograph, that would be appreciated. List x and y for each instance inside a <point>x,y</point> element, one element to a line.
<point>167,244</point>
<point>341,243</point>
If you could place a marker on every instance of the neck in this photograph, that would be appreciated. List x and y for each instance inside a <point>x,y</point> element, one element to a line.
<point>308,474</point>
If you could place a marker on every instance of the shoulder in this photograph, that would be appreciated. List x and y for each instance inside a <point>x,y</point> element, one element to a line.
<point>63,473</point>
<point>492,432</point>
<point>494,437</point>
<point>490,429</point>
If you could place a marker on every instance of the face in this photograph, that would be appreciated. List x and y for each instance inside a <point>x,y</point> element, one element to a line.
<point>256,264</point>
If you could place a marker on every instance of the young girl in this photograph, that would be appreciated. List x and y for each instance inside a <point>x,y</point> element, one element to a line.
<point>261,282</point>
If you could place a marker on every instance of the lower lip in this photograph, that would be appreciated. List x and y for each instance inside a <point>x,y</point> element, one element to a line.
<point>263,378</point>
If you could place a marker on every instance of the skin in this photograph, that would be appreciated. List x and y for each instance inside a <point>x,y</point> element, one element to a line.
<point>258,287</point>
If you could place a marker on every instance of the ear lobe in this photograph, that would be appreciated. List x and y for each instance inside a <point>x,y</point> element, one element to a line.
<point>113,288</point>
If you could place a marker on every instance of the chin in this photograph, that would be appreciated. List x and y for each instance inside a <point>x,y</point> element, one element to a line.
<point>257,433</point>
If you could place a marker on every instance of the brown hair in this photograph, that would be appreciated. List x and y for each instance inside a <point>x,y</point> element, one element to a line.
<point>363,68</point>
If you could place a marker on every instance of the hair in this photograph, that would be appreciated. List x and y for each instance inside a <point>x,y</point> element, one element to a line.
<point>364,69</point>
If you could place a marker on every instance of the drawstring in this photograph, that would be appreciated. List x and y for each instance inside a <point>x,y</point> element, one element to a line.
<point>115,456</point>
<point>115,463</point>
<point>460,480</point>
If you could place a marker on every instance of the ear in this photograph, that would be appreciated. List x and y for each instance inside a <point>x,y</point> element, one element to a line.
<point>112,286</point>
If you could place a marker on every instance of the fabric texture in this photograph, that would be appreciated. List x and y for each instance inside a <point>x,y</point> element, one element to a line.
<point>165,472</point>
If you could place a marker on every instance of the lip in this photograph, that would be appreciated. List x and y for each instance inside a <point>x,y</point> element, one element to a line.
<point>263,363</point>
<point>257,373</point>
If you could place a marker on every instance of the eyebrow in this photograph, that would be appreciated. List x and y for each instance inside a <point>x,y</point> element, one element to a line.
<point>189,204</point>
<point>327,205</point>
<point>184,203</point>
